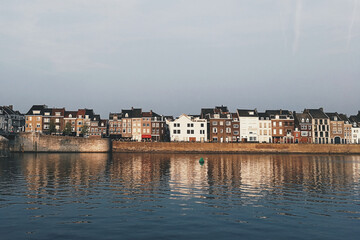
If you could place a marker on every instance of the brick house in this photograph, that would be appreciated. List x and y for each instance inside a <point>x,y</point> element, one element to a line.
<point>303,123</point>
<point>282,126</point>
<point>320,126</point>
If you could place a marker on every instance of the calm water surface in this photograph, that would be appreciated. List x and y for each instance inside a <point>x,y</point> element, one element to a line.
<point>172,196</point>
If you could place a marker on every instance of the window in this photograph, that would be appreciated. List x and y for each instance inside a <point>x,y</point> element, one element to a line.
<point>57,120</point>
<point>221,123</point>
<point>274,125</point>
<point>236,132</point>
<point>214,123</point>
<point>38,119</point>
<point>236,125</point>
<point>178,131</point>
<point>201,125</point>
<point>79,123</point>
<point>228,123</point>
<point>260,124</point>
<point>38,125</point>
<point>214,130</point>
<point>228,130</point>
<point>274,131</point>
<point>280,124</point>
<point>280,131</point>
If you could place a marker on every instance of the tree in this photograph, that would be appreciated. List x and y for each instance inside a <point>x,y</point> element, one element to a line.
<point>67,129</point>
<point>52,127</point>
<point>84,130</point>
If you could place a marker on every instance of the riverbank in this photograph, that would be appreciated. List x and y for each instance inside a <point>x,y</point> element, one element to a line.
<point>178,147</point>
<point>35,142</point>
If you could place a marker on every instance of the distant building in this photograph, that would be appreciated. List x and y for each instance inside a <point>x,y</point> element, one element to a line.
<point>355,128</point>
<point>347,129</point>
<point>34,118</point>
<point>320,126</point>
<point>264,128</point>
<point>222,125</point>
<point>136,125</point>
<point>11,120</point>
<point>303,123</point>
<point>188,129</point>
<point>282,126</point>
<point>249,125</point>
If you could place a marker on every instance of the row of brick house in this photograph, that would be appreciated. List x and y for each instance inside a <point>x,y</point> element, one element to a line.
<point>270,126</point>
<point>40,118</point>
<point>216,124</point>
<point>136,125</point>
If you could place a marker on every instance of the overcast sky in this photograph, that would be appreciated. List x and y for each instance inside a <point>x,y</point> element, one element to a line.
<point>175,56</point>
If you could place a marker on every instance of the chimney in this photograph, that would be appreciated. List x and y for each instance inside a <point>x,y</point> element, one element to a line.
<point>321,109</point>
<point>11,107</point>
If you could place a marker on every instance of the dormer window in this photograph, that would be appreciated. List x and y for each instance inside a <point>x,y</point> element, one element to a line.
<point>307,120</point>
<point>36,112</point>
<point>335,118</point>
<point>302,120</point>
<point>70,116</point>
<point>251,113</point>
<point>126,115</point>
<point>47,114</point>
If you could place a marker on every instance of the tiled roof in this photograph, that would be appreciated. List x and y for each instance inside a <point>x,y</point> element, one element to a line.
<point>316,113</point>
<point>247,113</point>
<point>333,116</point>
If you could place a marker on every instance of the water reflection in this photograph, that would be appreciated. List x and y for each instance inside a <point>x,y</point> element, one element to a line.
<point>120,191</point>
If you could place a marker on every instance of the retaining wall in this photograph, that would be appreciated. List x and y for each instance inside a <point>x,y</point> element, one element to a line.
<point>36,142</point>
<point>4,146</point>
<point>178,147</point>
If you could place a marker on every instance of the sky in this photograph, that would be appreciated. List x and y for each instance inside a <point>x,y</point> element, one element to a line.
<point>178,56</point>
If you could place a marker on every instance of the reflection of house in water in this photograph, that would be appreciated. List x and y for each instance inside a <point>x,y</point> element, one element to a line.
<point>138,170</point>
<point>249,176</point>
<point>187,176</point>
<point>53,171</point>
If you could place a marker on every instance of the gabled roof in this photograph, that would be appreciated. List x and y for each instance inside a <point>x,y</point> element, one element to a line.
<point>278,112</point>
<point>247,113</point>
<point>68,113</point>
<point>264,116</point>
<point>37,108</point>
<point>316,113</point>
<point>344,118</point>
<point>111,115</point>
<point>334,116</point>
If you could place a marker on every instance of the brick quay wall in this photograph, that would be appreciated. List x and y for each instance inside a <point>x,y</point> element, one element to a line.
<point>4,146</point>
<point>36,142</point>
<point>178,147</point>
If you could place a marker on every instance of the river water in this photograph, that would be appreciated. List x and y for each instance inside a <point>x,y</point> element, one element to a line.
<point>172,196</point>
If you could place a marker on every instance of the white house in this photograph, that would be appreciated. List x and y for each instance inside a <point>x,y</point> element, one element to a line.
<point>355,133</point>
<point>264,128</point>
<point>188,129</point>
<point>249,125</point>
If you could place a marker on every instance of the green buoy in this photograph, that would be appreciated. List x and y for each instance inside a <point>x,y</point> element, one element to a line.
<point>201,161</point>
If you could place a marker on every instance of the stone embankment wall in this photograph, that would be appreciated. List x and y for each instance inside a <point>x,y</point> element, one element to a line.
<point>233,148</point>
<point>4,148</point>
<point>36,142</point>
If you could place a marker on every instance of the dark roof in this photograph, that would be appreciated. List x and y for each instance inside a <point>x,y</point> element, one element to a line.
<point>333,116</point>
<point>8,110</point>
<point>278,112</point>
<point>222,109</point>
<point>73,114</point>
<point>344,118</point>
<point>247,113</point>
<point>316,113</point>
<point>37,108</point>
<point>111,115</point>
<point>263,115</point>
<point>206,112</point>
